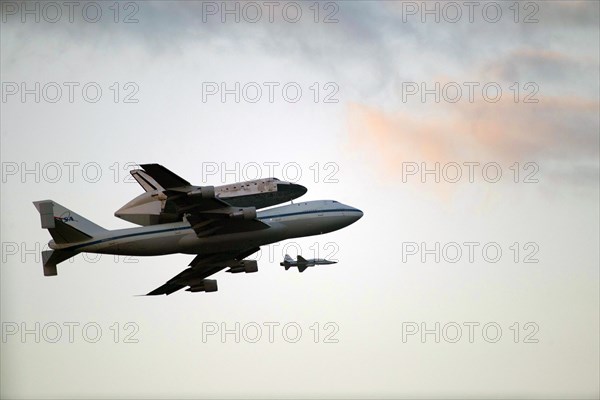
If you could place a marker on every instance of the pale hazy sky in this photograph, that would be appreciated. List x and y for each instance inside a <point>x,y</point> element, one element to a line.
<point>362,129</point>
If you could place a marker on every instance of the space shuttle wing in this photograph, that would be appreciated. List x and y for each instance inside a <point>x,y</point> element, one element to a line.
<point>207,224</point>
<point>201,267</point>
<point>210,216</point>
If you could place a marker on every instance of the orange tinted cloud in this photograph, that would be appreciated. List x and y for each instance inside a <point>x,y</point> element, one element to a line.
<point>563,130</point>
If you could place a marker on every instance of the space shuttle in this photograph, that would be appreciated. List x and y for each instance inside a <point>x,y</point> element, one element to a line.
<point>153,207</point>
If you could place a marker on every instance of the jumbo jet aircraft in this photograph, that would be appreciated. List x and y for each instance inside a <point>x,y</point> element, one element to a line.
<point>220,234</point>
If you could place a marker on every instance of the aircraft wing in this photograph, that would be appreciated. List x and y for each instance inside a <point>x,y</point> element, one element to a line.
<point>201,267</point>
<point>207,214</point>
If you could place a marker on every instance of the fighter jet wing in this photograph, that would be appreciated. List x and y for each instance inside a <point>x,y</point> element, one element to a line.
<point>207,214</point>
<point>201,267</point>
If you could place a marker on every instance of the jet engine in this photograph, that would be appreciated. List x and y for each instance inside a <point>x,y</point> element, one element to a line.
<point>206,285</point>
<point>247,266</point>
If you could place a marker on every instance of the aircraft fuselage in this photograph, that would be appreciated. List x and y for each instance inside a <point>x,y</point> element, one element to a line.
<point>285,222</point>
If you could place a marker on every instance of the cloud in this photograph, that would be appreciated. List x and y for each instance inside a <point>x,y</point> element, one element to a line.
<point>561,133</point>
<point>367,53</point>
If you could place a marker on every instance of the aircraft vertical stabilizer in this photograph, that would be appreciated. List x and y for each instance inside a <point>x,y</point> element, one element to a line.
<point>65,226</point>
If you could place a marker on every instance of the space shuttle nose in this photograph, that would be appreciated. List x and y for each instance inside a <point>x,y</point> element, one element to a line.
<point>293,190</point>
<point>301,190</point>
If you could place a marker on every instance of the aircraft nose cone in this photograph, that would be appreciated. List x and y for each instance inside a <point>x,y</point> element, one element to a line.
<point>359,214</point>
<point>355,214</point>
<point>301,190</point>
<point>292,189</point>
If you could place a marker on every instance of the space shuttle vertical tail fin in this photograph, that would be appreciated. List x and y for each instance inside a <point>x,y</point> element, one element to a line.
<point>148,183</point>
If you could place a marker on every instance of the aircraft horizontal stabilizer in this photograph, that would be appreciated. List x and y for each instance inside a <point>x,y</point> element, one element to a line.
<point>50,258</point>
<point>65,227</point>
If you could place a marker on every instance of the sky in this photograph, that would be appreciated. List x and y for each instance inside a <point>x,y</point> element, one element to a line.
<point>467,133</point>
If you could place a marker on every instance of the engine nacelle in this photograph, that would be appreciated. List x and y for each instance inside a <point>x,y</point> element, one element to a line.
<point>244,213</point>
<point>207,285</point>
<point>247,266</point>
<point>250,266</point>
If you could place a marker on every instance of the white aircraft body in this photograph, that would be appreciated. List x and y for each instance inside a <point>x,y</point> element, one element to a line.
<point>219,234</point>
<point>153,207</point>
<point>302,263</point>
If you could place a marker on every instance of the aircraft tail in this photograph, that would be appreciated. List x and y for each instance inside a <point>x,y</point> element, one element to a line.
<point>147,182</point>
<point>50,258</point>
<point>65,226</point>
<point>288,258</point>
